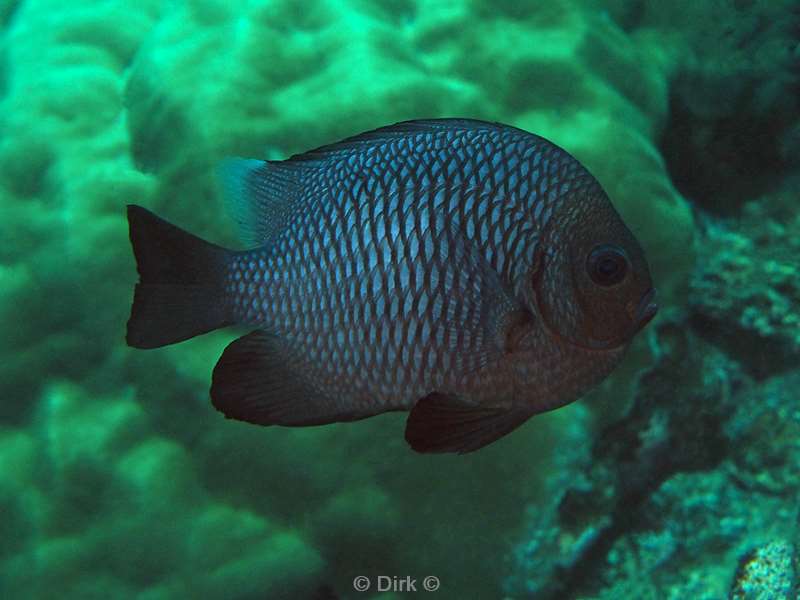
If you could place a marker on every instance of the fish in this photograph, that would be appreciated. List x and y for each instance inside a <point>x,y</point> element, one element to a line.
<point>471,273</point>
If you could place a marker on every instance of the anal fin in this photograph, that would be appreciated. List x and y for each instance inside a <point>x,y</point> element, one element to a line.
<point>258,380</point>
<point>443,423</point>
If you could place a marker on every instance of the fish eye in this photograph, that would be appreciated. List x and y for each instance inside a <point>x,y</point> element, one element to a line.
<point>607,265</point>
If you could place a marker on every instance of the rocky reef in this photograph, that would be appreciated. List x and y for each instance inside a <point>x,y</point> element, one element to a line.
<point>745,291</point>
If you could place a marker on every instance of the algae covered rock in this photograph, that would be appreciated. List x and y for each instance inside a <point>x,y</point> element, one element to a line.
<point>767,573</point>
<point>745,291</point>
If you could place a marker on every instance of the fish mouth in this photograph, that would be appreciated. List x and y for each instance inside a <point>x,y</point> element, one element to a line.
<point>641,315</point>
<point>645,311</point>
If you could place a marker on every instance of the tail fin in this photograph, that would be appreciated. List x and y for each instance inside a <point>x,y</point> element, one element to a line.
<point>180,289</point>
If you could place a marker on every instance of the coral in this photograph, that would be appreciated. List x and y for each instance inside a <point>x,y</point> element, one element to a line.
<point>766,573</point>
<point>745,291</point>
<point>104,507</point>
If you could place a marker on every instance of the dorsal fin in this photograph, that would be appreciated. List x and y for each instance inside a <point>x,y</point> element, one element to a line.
<point>390,132</point>
<point>260,195</point>
<point>263,195</point>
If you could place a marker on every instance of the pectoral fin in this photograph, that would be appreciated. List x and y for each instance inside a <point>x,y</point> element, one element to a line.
<point>443,423</point>
<point>482,320</point>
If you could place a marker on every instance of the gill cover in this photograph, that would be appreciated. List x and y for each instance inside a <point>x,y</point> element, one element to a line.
<point>595,289</point>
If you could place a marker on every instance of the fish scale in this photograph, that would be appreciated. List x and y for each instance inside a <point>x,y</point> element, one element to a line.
<point>396,205</point>
<point>440,266</point>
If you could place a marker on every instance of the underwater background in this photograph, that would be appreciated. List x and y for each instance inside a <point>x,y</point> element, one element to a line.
<point>678,478</point>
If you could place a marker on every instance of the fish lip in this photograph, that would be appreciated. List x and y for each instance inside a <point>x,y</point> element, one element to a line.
<point>646,310</point>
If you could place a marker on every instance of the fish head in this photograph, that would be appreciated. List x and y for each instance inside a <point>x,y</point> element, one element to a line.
<point>594,290</point>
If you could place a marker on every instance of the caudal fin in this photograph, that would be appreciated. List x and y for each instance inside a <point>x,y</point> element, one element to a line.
<point>180,289</point>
